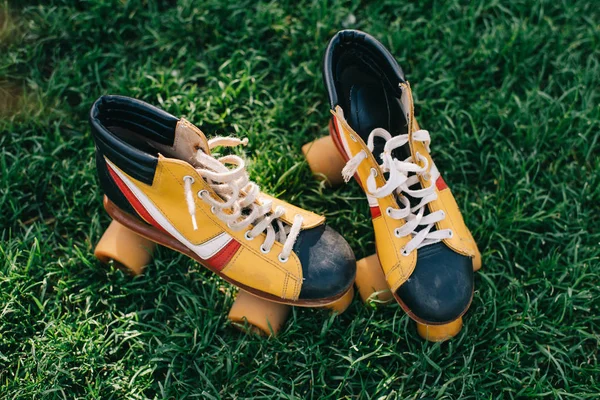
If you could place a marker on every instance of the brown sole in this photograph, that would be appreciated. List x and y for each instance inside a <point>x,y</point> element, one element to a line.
<point>424,322</point>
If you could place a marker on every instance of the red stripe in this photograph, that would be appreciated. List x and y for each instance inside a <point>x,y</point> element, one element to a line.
<point>441,184</point>
<point>135,203</point>
<point>375,212</point>
<point>332,127</point>
<point>220,260</point>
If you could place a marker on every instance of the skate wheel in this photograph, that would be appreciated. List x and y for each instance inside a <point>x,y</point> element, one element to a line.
<point>439,333</point>
<point>259,316</point>
<point>343,302</point>
<point>477,261</point>
<point>127,249</point>
<point>325,160</point>
<point>371,282</point>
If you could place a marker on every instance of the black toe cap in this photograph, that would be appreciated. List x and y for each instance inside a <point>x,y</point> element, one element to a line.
<point>328,263</point>
<point>441,287</point>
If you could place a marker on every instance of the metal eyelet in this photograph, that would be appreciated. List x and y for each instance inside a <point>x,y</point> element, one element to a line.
<point>263,250</point>
<point>202,192</point>
<point>186,177</point>
<point>404,252</point>
<point>396,233</point>
<point>373,172</point>
<point>419,159</point>
<point>247,236</point>
<point>213,210</point>
<point>388,211</point>
<point>281,259</point>
<point>451,234</point>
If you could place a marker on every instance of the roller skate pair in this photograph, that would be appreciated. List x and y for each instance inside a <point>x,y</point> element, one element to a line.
<point>164,184</point>
<point>426,255</point>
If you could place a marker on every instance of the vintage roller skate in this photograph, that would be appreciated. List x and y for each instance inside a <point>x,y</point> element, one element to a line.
<point>163,184</point>
<point>425,254</point>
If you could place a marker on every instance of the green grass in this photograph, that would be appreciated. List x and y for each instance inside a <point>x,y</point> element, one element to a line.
<point>509,92</point>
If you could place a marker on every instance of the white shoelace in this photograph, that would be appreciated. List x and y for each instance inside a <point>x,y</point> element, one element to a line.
<point>238,194</point>
<point>400,182</point>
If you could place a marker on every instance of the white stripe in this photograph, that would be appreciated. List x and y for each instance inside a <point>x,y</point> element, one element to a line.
<point>204,250</point>
<point>372,201</point>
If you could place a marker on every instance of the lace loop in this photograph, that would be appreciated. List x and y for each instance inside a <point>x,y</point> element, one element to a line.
<point>399,182</point>
<point>238,203</point>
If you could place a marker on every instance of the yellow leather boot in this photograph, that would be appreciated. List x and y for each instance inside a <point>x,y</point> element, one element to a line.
<point>425,253</point>
<point>162,183</point>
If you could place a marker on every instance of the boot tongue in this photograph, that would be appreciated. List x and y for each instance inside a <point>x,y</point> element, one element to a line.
<point>188,139</point>
<point>407,104</point>
<point>406,101</point>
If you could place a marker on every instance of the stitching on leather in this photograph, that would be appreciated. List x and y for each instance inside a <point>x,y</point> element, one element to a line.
<point>396,250</point>
<point>433,208</point>
<point>297,288</point>
<point>372,161</point>
<point>201,209</point>
<point>462,250</point>
<point>229,253</point>
<point>233,260</point>
<point>246,247</point>
<point>285,286</point>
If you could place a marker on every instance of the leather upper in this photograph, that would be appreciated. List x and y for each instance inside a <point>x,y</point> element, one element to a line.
<point>142,157</point>
<point>367,90</point>
<point>396,267</point>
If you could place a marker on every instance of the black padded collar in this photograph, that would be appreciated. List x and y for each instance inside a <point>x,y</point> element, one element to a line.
<point>364,48</point>
<point>112,113</point>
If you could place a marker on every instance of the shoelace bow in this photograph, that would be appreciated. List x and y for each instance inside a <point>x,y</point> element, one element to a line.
<point>237,204</point>
<point>399,182</point>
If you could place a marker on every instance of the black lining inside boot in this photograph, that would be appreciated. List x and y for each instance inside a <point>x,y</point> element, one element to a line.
<point>369,103</point>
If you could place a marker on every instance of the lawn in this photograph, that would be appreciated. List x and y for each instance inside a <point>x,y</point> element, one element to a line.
<point>510,94</point>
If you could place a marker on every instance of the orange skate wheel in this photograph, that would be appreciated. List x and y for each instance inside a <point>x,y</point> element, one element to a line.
<point>477,261</point>
<point>260,316</point>
<point>127,249</point>
<point>371,282</point>
<point>439,333</point>
<point>325,160</point>
<point>340,305</point>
